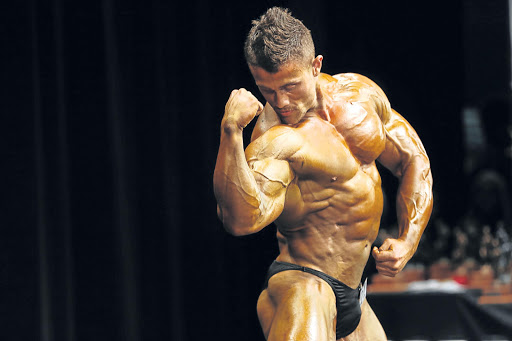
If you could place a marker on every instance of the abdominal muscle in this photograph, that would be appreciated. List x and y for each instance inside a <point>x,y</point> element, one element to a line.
<point>331,227</point>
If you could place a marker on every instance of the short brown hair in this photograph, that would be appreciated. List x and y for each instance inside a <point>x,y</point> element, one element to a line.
<point>277,38</point>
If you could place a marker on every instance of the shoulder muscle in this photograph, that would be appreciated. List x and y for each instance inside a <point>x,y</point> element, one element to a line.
<point>363,89</point>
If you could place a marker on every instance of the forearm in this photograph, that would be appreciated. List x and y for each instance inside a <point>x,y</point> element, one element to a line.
<point>235,187</point>
<point>414,200</point>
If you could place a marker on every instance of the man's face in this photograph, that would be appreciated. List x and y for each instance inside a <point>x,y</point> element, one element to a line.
<point>291,91</point>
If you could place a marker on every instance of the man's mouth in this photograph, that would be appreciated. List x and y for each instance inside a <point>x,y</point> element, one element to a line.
<point>285,113</point>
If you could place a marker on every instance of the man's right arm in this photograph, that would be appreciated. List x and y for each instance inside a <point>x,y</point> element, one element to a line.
<point>250,195</point>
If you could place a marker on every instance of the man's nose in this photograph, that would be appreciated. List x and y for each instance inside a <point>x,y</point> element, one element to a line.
<point>282,100</point>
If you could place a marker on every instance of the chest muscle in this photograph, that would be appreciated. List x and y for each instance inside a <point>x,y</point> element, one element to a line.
<point>362,130</point>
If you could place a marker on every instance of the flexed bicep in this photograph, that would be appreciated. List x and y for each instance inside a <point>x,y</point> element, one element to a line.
<point>273,178</point>
<point>251,188</point>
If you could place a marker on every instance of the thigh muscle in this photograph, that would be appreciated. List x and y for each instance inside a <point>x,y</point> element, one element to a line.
<point>297,306</point>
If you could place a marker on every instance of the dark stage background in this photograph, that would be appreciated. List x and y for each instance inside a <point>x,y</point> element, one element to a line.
<point>110,118</point>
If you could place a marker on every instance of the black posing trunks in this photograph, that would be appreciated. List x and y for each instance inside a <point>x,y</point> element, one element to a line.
<point>348,300</point>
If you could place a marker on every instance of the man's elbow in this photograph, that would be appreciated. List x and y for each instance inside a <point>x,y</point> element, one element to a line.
<point>240,224</point>
<point>236,227</point>
<point>236,231</point>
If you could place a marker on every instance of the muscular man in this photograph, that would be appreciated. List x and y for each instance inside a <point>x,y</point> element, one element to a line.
<point>310,168</point>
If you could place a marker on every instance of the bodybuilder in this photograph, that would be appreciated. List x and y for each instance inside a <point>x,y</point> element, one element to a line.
<point>310,168</point>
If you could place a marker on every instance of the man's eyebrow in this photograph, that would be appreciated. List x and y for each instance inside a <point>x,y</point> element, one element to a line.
<point>262,87</point>
<point>293,82</point>
<point>290,83</point>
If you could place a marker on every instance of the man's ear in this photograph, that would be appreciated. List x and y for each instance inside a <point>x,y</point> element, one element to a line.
<point>317,65</point>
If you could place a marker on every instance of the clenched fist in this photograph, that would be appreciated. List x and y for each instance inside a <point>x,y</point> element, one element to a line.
<point>241,108</point>
<point>392,256</point>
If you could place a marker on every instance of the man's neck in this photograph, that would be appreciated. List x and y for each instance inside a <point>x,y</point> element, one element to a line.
<point>322,106</point>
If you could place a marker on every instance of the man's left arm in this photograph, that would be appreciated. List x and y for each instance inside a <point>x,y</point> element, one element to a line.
<point>407,159</point>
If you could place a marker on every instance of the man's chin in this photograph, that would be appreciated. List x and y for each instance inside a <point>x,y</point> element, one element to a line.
<point>290,120</point>
<point>289,116</point>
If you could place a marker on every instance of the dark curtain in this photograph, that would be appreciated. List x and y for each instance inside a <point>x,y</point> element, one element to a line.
<point>110,118</point>
<point>111,112</point>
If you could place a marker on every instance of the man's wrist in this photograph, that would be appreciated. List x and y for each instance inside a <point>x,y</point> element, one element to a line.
<point>410,242</point>
<point>230,127</point>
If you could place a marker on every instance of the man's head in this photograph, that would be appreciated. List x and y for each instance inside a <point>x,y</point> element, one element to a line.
<point>281,56</point>
<point>277,38</point>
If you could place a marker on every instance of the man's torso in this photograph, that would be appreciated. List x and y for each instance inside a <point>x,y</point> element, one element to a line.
<point>333,207</point>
